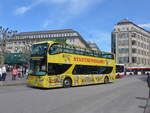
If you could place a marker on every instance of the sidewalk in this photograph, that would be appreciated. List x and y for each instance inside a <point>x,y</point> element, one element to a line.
<point>10,82</point>
<point>147,109</point>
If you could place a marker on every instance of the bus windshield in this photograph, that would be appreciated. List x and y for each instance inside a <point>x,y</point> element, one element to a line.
<point>39,49</point>
<point>119,68</point>
<point>37,68</point>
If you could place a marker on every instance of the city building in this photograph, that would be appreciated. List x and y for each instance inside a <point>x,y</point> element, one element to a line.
<point>131,44</point>
<point>21,42</point>
<point>93,45</point>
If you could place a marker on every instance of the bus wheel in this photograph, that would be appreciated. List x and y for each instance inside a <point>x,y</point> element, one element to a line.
<point>106,80</point>
<point>67,83</point>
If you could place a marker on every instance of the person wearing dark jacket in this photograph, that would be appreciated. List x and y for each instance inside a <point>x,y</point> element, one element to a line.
<point>148,83</point>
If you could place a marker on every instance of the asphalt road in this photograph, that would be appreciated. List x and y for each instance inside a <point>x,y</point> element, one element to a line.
<point>127,95</point>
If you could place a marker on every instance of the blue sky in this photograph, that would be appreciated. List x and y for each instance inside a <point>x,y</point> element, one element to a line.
<point>93,19</point>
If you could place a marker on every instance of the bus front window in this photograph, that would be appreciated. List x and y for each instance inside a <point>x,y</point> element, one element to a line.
<point>39,49</point>
<point>37,68</point>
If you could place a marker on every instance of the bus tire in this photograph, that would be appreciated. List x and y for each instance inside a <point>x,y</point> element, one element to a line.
<point>106,80</point>
<point>67,83</point>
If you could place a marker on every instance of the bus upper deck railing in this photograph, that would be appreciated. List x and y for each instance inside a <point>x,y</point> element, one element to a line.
<point>65,48</point>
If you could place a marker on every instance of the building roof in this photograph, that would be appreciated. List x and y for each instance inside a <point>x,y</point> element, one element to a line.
<point>126,21</point>
<point>53,32</point>
<point>47,31</point>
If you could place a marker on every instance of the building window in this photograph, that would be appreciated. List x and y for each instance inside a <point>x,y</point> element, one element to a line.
<point>123,50</point>
<point>139,44</point>
<point>52,35</point>
<point>134,59</point>
<point>65,34</point>
<point>75,34</point>
<point>138,51</point>
<point>71,34</point>
<point>123,35</point>
<point>133,35</point>
<point>56,35</point>
<point>59,35</point>
<point>123,42</point>
<point>123,60</point>
<point>16,48</point>
<point>133,42</point>
<point>123,29</point>
<point>132,28</point>
<point>144,46</point>
<point>62,35</point>
<point>134,50</point>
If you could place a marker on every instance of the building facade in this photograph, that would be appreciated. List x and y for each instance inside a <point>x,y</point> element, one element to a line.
<point>131,44</point>
<point>21,42</point>
<point>93,45</point>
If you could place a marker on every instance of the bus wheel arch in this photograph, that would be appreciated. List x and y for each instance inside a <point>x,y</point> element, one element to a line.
<point>67,82</point>
<point>106,80</point>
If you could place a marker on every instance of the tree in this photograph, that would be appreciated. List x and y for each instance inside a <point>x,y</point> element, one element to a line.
<point>5,35</point>
<point>27,52</point>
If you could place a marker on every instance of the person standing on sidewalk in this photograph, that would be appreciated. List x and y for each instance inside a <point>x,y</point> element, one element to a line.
<point>1,83</point>
<point>148,83</point>
<point>19,73</point>
<point>4,73</point>
<point>14,73</point>
<point>0,74</point>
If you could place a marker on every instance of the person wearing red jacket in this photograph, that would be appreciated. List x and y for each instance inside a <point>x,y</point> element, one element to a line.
<point>14,73</point>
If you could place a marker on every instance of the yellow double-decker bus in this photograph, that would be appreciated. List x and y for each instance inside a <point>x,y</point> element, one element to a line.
<point>55,64</point>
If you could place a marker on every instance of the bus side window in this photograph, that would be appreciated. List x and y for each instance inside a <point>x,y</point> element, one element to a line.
<point>68,49</point>
<point>89,52</point>
<point>83,69</point>
<point>97,54</point>
<point>56,68</point>
<point>51,70</point>
<point>105,70</point>
<point>80,51</point>
<point>110,56</point>
<point>107,55</point>
<point>55,49</point>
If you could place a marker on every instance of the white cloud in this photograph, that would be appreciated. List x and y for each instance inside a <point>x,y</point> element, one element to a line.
<point>56,23</point>
<point>75,6</point>
<point>22,10</point>
<point>71,6</point>
<point>46,23</point>
<point>63,12</point>
<point>145,25</point>
<point>71,10</point>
